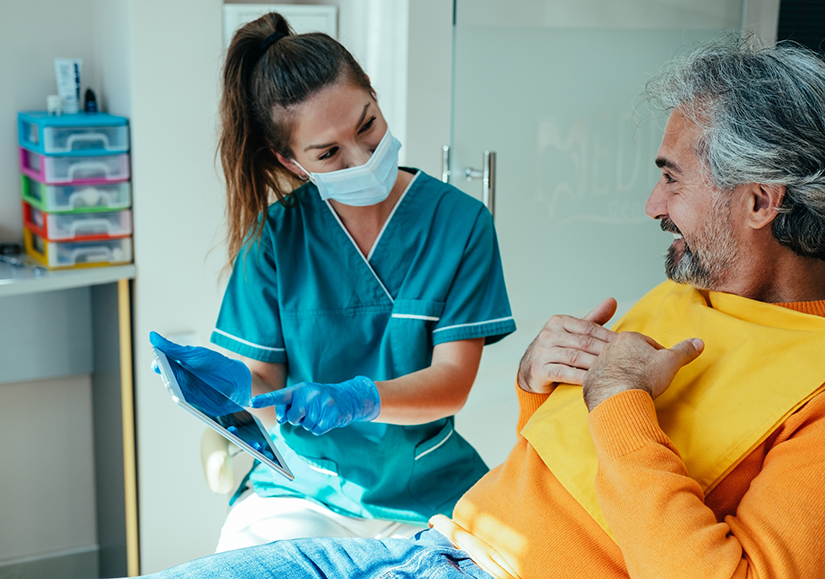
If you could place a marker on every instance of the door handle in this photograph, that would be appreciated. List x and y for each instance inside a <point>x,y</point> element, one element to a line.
<point>445,164</point>
<point>488,180</point>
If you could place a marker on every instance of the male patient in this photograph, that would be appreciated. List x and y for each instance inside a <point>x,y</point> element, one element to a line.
<point>699,448</point>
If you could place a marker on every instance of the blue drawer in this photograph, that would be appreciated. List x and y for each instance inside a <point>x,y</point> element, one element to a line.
<point>75,135</point>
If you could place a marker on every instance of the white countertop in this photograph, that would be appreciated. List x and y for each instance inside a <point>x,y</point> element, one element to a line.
<point>19,280</point>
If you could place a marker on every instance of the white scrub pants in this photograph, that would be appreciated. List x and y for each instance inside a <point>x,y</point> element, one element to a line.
<point>254,520</point>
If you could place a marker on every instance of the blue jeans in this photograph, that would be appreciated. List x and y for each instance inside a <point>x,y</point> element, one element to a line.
<point>428,554</point>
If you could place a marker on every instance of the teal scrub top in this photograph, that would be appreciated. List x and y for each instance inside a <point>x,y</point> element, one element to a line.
<point>305,296</point>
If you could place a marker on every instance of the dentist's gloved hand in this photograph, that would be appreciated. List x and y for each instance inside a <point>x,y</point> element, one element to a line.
<point>200,371</point>
<point>321,407</point>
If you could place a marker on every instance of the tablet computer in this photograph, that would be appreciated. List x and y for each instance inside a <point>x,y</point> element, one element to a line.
<point>238,426</point>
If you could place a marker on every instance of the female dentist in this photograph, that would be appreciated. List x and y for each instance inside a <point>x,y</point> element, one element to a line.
<point>360,301</point>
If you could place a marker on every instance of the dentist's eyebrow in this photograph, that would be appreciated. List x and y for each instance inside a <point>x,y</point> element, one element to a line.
<point>358,124</point>
<point>663,163</point>
<point>363,116</point>
<point>319,146</point>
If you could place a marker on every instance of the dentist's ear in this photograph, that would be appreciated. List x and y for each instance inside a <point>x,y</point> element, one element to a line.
<point>291,166</point>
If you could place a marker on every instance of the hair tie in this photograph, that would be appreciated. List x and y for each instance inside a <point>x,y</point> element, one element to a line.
<point>269,41</point>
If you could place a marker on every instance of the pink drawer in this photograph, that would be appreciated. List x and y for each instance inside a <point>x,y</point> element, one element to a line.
<point>74,170</point>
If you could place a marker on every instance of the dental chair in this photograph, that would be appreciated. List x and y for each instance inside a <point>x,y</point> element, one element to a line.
<point>217,462</point>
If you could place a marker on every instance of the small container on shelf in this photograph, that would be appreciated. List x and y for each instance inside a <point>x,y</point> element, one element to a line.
<point>78,134</point>
<point>77,226</point>
<point>74,170</point>
<point>77,198</point>
<point>72,254</point>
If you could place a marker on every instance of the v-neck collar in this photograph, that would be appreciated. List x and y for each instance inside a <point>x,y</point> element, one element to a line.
<point>357,250</point>
<point>366,259</point>
<point>390,216</point>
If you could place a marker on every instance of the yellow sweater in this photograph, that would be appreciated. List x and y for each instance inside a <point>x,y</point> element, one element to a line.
<point>766,518</point>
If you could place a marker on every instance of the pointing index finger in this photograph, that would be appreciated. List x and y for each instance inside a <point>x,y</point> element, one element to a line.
<point>283,396</point>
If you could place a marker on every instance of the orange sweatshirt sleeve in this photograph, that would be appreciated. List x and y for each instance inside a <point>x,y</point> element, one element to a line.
<point>658,515</point>
<point>528,403</point>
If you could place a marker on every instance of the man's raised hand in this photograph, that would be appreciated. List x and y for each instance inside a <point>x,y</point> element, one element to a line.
<point>565,349</point>
<point>637,362</point>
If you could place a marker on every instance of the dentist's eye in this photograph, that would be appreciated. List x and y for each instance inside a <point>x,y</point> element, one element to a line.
<point>367,126</point>
<point>668,178</point>
<point>328,154</point>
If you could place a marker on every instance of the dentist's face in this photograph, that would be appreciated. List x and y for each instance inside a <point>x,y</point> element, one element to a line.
<point>337,128</point>
<point>704,248</point>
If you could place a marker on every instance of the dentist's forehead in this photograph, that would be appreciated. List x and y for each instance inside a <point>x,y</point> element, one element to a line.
<point>335,112</point>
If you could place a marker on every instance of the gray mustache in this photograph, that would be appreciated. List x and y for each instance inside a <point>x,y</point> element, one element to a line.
<point>667,225</point>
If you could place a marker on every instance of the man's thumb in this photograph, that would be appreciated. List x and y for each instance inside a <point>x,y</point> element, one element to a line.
<point>602,313</point>
<point>688,350</point>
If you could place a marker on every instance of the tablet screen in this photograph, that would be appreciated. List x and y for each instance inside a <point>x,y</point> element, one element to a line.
<point>226,417</point>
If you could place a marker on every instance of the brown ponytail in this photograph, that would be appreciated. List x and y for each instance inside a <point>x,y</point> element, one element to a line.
<point>260,87</point>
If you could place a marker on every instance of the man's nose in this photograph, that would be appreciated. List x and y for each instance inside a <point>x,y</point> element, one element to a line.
<point>656,207</point>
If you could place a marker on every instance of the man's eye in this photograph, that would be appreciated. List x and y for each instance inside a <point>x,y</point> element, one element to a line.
<point>367,126</point>
<point>668,178</point>
<point>328,154</point>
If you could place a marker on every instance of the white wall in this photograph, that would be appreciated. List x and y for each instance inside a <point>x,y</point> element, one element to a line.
<point>47,477</point>
<point>178,211</point>
<point>114,55</point>
<point>62,29</point>
<point>429,83</point>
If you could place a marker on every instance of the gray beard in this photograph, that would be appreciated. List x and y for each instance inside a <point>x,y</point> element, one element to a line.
<point>688,270</point>
<point>707,263</point>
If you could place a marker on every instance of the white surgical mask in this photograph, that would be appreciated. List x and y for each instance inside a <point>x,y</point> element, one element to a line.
<point>366,184</point>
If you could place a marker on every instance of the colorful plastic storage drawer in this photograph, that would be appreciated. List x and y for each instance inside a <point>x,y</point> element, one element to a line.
<point>57,255</point>
<point>81,134</point>
<point>77,198</point>
<point>74,170</point>
<point>77,226</point>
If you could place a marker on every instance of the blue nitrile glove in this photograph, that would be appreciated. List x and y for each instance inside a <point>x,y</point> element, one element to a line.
<point>200,370</point>
<point>321,407</point>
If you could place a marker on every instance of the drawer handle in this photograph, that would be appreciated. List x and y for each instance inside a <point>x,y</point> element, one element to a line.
<point>90,226</point>
<point>91,255</point>
<point>80,138</point>
<point>90,167</point>
<point>90,198</point>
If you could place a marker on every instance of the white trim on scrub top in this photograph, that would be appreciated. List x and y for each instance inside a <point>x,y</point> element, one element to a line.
<point>416,317</point>
<point>473,324</point>
<point>242,341</point>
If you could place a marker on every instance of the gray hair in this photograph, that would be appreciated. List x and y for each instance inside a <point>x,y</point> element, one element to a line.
<point>762,115</point>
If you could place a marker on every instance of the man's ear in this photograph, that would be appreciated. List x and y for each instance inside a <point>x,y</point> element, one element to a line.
<point>291,166</point>
<point>763,202</point>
